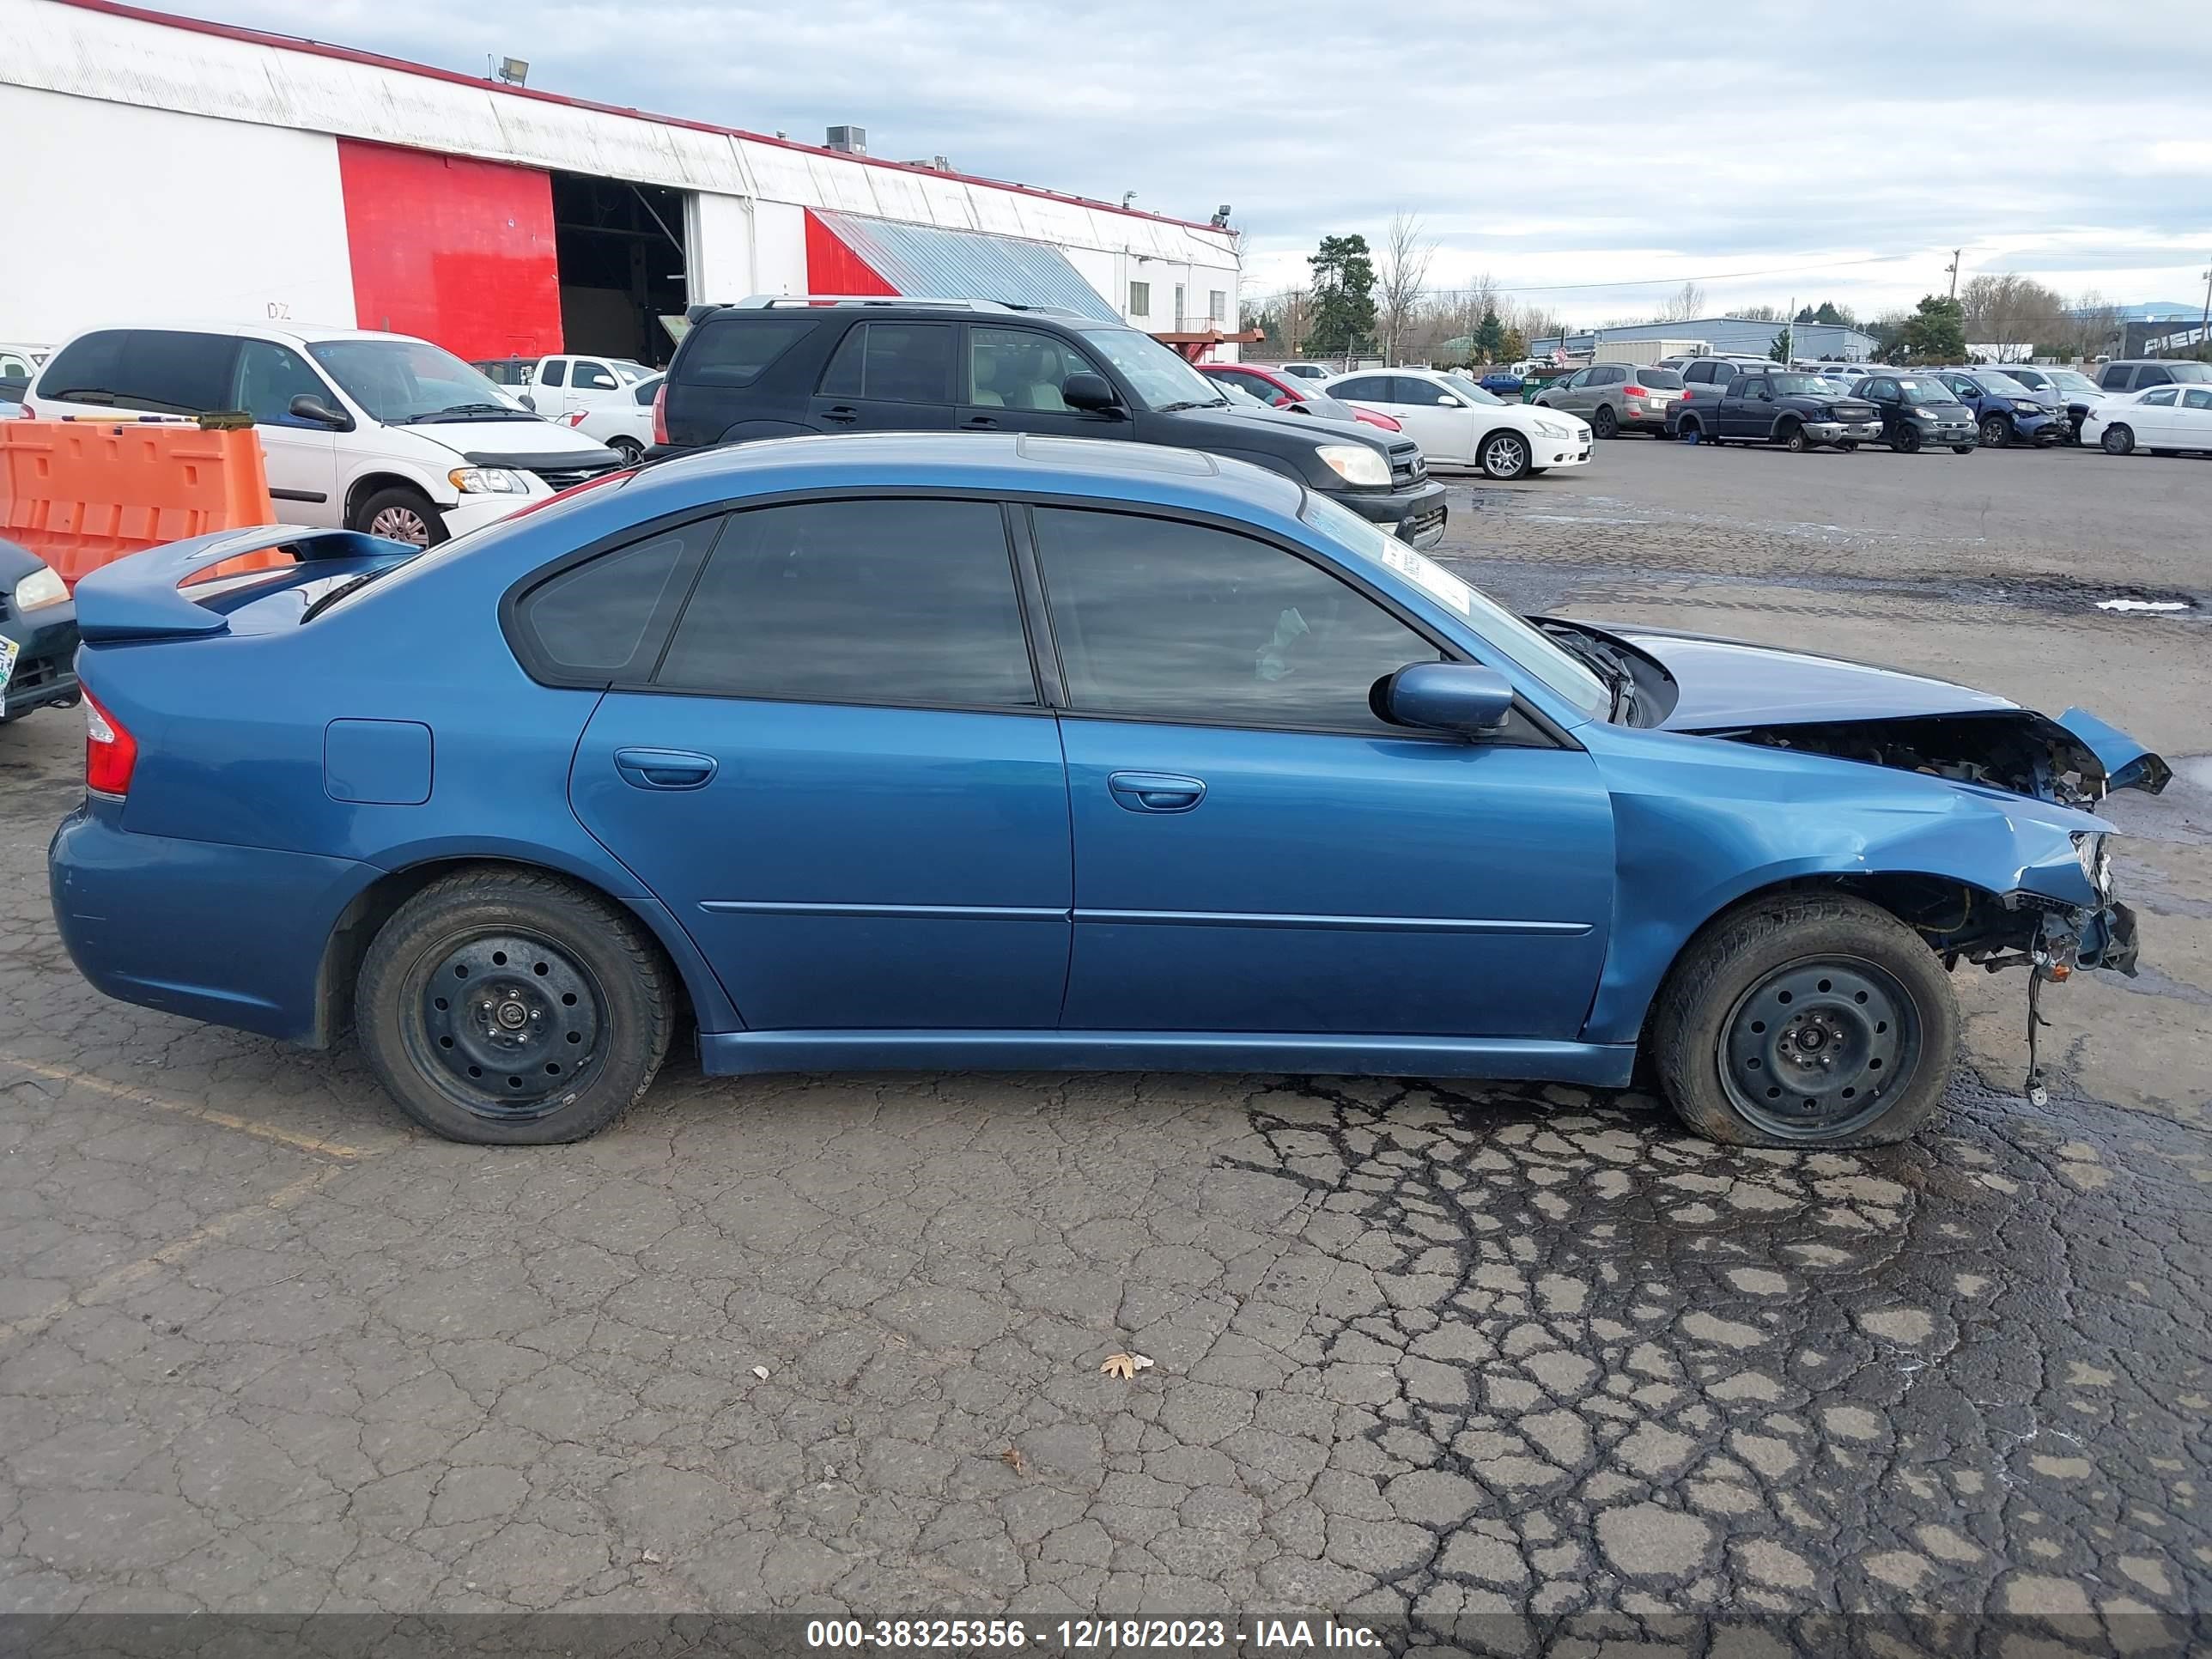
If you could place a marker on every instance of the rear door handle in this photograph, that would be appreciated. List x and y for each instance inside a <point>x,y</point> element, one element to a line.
<point>1156,792</point>
<point>843,414</point>
<point>664,768</point>
<point>981,423</point>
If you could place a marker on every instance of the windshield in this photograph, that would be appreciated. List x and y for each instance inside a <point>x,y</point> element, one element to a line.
<point>1468,390</point>
<point>628,372</point>
<point>1798,385</point>
<point>1162,380</point>
<point>1524,645</point>
<point>1991,380</point>
<point>1926,392</point>
<point>2191,373</point>
<point>2066,381</point>
<point>1236,394</point>
<point>401,381</point>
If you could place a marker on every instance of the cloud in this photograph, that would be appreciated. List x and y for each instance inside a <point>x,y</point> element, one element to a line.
<point>1580,142</point>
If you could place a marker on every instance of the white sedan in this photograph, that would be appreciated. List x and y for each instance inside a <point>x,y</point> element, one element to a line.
<point>624,422</point>
<point>2163,420</point>
<point>1458,424</point>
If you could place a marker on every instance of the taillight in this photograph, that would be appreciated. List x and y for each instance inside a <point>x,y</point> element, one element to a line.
<point>110,752</point>
<point>1687,394</point>
<point>661,414</point>
<point>1634,392</point>
<point>576,418</point>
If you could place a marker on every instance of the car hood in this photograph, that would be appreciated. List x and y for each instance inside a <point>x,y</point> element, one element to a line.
<point>1791,699</point>
<point>1231,421</point>
<point>486,442</point>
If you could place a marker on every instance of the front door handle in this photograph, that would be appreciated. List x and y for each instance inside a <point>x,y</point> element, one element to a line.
<point>664,768</point>
<point>843,414</point>
<point>981,423</point>
<point>1155,792</point>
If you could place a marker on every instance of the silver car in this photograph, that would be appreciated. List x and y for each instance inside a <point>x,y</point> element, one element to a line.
<point>1616,398</point>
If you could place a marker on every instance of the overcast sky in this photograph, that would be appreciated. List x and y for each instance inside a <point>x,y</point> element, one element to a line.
<point>1771,151</point>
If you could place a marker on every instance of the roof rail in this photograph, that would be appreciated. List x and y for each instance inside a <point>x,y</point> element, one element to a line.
<point>770,301</point>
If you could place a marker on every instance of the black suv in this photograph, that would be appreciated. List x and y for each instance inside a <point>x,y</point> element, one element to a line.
<point>1783,406</point>
<point>777,368</point>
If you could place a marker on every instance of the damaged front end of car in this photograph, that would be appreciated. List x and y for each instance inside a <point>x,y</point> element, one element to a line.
<point>2048,924</point>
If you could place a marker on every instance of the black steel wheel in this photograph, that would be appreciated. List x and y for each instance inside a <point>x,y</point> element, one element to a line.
<point>1815,1049</point>
<point>1805,1019</point>
<point>1997,432</point>
<point>509,1007</point>
<point>1604,422</point>
<point>1907,440</point>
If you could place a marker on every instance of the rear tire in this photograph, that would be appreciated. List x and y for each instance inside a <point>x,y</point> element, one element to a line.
<point>629,449</point>
<point>507,1007</point>
<point>1690,432</point>
<point>1964,449</point>
<point>1792,988</point>
<point>400,513</point>
<point>1604,423</point>
<point>2119,441</point>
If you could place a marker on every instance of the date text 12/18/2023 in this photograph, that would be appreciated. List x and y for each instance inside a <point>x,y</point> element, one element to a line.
<point>1085,1635</point>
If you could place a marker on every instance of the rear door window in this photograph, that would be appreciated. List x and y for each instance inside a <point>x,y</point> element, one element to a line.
<point>554,372</point>
<point>2163,398</point>
<point>2153,375</point>
<point>1374,388</point>
<point>163,371</point>
<point>873,602</point>
<point>893,362</point>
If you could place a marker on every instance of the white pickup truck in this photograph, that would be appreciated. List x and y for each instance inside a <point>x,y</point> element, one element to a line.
<point>556,386</point>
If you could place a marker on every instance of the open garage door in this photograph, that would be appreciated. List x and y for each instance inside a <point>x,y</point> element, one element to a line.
<point>621,257</point>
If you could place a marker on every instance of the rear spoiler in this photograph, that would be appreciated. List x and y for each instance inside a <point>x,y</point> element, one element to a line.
<point>138,599</point>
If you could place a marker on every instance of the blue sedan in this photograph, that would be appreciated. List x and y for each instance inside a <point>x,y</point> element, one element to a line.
<point>913,750</point>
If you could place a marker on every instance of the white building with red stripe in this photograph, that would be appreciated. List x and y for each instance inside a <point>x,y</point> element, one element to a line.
<point>164,168</point>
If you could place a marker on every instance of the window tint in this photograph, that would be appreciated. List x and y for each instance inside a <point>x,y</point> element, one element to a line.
<point>1660,380</point>
<point>893,362</point>
<point>647,391</point>
<point>269,377</point>
<point>1608,377</point>
<point>590,377</point>
<point>154,369</point>
<point>1181,622</point>
<point>554,371</point>
<point>863,602</point>
<point>2153,375</point>
<point>1374,387</point>
<point>1405,389</point>
<point>2114,379</point>
<point>606,619</point>
<point>1021,368</point>
<point>2162,397</point>
<point>738,350</point>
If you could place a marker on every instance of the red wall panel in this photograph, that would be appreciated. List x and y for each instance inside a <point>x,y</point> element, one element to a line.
<point>834,268</point>
<point>458,252</point>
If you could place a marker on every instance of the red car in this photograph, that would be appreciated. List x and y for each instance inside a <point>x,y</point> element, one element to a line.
<point>1273,386</point>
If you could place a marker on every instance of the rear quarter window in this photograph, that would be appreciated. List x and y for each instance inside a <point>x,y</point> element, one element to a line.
<point>604,620</point>
<point>738,350</point>
<point>165,371</point>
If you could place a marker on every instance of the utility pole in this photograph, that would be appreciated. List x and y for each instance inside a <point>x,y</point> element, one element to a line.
<point>1954,269</point>
<point>2204,323</point>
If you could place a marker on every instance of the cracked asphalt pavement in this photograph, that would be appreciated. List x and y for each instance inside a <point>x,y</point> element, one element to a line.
<point>1424,1352</point>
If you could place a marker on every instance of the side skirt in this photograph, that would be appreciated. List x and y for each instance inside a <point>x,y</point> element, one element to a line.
<point>731,1053</point>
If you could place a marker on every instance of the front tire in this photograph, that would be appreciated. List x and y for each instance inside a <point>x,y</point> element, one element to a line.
<point>1505,455</point>
<point>1604,422</point>
<point>1907,442</point>
<point>510,1008</point>
<point>1804,1021</point>
<point>1793,439</point>
<point>1997,432</point>
<point>1849,446</point>
<point>1964,449</point>
<point>2119,441</point>
<point>400,513</point>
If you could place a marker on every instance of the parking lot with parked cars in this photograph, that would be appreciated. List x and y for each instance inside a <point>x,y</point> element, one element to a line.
<point>1416,1347</point>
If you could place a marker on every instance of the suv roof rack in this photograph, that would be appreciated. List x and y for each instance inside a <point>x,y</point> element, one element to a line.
<point>770,301</point>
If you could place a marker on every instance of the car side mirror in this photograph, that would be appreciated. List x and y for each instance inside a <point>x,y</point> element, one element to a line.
<point>1445,696</point>
<point>1089,392</point>
<point>1445,400</point>
<point>528,402</point>
<point>308,407</point>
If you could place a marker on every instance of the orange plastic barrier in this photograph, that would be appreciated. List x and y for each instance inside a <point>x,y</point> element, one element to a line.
<point>82,493</point>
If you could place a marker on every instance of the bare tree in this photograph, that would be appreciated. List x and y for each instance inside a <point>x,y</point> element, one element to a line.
<point>1287,319</point>
<point>1686,302</point>
<point>1759,313</point>
<point>1401,270</point>
<point>2092,324</point>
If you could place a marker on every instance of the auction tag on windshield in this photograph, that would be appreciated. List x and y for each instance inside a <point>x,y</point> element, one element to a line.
<point>8,651</point>
<point>1431,578</point>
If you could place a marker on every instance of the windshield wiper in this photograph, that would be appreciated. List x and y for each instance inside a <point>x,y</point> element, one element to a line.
<point>1609,667</point>
<point>340,592</point>
<point>1191,403</point>
<point>475,411</point>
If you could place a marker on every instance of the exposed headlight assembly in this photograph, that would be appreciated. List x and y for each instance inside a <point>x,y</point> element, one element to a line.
<point>1356,464</point>
<point>2096,857</point>
<point>487,481</point>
